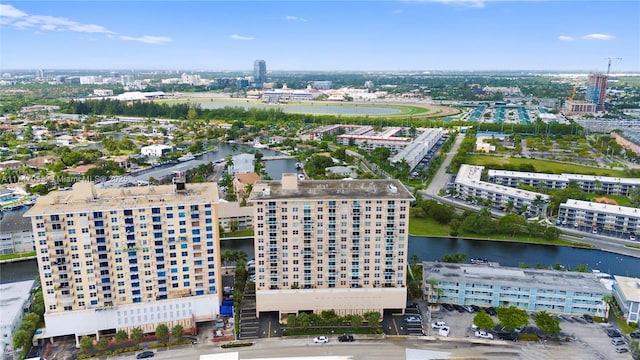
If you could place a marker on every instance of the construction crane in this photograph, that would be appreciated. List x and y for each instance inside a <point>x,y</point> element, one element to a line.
<point>609,65</point>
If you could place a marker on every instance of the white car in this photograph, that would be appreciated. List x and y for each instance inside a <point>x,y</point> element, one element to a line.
<point>484,335</point>
<point>321,340</point>
<point>412,319</point>
<point>438,325</point>
<point>444,331</point>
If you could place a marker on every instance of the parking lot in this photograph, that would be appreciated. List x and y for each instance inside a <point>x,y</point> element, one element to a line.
<point>587,340</point>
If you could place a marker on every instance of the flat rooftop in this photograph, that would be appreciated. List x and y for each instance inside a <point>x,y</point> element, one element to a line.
<point>514,277</point>
<point>328,189</point>
<point>84,196</point>
<point>629,286</point>
<point>12,298</point>
<point>601,208</point>
<point>564,177</point>
<point>469,175</point>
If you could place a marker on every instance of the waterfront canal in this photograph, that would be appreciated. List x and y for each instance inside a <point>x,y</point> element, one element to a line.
<point>430,249</point>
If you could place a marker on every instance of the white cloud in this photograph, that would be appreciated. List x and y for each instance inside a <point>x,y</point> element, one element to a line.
<point>240,37</point>
<point>565,38</point>
<point>598,37</point>
<point>19,19</point>
<point>147,39</point>
<point>463,3</point>
<point>295,18</point>
<point>8,11</point>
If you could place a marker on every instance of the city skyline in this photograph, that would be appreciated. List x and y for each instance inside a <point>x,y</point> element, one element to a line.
<point>322,36</point>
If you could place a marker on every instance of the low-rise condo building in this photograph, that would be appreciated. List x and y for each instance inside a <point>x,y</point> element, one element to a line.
<point>554,291</point>
<point>468,185</point>
<point>626,292</point>
<point>587,183</point>
<point>579,213</point>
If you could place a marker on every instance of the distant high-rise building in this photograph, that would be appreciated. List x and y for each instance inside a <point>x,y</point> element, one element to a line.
<point>259,72</point>
<point>41,74</point>
<point>597,90</point>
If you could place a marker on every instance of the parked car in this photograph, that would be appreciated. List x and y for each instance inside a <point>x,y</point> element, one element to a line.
<point>320,340</point>
<point>491,311</point>
<point>613,333</point>
<point>618,341</point>
<point>508,336</point>
<point>468,308</point>
<point>412,319</point>
<point>444,331</point>
<point>635,335</point>
<point>484,335</point>
<point>622,350</point>
<point>346,338</point>
<point>447,307</point>
<point>438,325</point>
<point>145,354</point>
<point>588,318</point>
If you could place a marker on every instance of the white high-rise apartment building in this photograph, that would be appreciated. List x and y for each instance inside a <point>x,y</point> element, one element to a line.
<point>112,259</point>
<point>330,245</point>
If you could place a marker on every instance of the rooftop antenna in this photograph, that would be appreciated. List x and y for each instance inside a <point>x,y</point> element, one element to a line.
<point>609,64</point>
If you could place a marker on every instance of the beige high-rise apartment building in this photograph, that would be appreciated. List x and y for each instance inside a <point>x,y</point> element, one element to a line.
<point>112,259</point>
<point>330,245</point>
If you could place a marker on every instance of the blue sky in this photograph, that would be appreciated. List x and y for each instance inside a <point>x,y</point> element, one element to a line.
<point>321,35</point>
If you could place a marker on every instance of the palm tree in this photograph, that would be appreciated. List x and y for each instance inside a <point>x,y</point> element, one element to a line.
<point>509,205</point>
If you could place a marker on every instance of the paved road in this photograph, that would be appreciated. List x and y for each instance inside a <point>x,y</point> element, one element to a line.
<point>385,349</point>
<point>441,178</point>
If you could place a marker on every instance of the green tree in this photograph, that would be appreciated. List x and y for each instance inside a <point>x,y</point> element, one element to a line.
<point>511,224</point>
<point>547,323</point>
<point>86,344</point>
<point>483,320</point>
<point>512,317</point>
<point>21,339</point>
<point>102,344</point>
<point>137,335</point>
<point>28,326</point>
<point>373,318</point>
<point>177,331</point>
<point>31,317</point>
<point>454,258</point>
<point>582,268</point>
<point>162,331</point>
<point>121,336</point>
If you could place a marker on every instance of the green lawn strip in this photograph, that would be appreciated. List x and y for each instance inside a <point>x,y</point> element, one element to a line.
<point>636,247</point>
<point>427,227</point>
<point>542,166</point>
<point>430,227</point>
<point>239,233</point>
<point>624,326</point>
<point>523,239</point>
<point>17,256</point>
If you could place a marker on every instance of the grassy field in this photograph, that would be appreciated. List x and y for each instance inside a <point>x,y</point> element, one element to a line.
<point>636,247</point>
<point>427,227</point>
<point>17,256</point>
<point>405,110</point>
<point>621,200</point>
<point>430,227</point>
<point>543,166</point>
